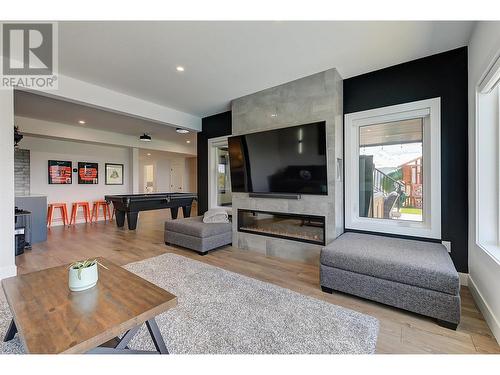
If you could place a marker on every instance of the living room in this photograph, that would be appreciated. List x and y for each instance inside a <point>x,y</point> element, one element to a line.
<point>244,190</point>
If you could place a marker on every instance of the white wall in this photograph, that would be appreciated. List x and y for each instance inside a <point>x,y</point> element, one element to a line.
<point>484,270</point>
<point>43,149</point>
<point>162,177</point>
<point>7,262</point>
<point>134,174</point>
<point>191,177</point>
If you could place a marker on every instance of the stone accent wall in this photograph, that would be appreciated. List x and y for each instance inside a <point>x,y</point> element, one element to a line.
<point>306,100</point>
<point>22,172</point>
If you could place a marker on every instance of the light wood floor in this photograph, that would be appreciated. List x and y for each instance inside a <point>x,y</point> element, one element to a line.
<point>400,332</point>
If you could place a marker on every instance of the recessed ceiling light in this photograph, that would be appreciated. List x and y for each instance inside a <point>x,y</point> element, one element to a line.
<point>149,154</point>
<point>182,131</point>
<point>81,122</point>
<point>180,68</point>
<point>145,138</point>
<point>188,141</point>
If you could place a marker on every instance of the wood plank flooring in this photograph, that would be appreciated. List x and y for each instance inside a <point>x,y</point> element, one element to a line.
<point>400,331</point>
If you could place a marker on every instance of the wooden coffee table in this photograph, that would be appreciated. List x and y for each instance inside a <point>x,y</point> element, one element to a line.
<point>52,319</point>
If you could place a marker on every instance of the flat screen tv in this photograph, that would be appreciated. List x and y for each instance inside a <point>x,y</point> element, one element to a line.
<point>288,161</point>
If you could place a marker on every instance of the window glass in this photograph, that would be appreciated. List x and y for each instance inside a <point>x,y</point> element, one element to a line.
<point>391,170</point>
<point>223,177</point>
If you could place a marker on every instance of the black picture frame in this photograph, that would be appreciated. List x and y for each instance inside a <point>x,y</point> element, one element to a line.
<point>88,173</point>
<point>59,172</point>
<point>110,170</point>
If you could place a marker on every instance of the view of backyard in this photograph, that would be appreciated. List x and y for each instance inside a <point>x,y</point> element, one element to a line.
<point>391,170</point>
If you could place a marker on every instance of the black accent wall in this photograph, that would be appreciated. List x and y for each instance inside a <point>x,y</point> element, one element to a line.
<point>211,127</point>
<point>443,75</point>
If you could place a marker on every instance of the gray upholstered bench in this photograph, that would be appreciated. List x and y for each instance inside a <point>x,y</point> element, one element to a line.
<point>193,233</point>
<point>412,275</point>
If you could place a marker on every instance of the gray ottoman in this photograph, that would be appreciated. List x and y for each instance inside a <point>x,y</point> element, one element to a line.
<point>194,234</point>
<point>412,275</point>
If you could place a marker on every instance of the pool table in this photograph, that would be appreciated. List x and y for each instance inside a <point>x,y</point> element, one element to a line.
<point>131,204</point>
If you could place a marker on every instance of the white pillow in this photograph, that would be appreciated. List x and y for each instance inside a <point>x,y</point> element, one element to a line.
<point>216,215</point>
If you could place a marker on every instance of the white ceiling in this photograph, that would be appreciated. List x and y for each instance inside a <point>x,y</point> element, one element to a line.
<point>226,60</point>
<point>48,109</point>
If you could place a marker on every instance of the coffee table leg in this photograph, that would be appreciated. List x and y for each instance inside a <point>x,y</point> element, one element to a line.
<point>11,332</point>
<point>127,337</point>
<point>121,347</point>
<point>156,336</point>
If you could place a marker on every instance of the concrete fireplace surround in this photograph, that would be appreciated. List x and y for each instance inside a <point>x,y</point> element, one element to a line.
<point>310,99</point>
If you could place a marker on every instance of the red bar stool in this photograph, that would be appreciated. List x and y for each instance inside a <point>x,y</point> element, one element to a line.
<point>50,212</point>
<point>95,210</point>
<point>74,211</point>
<point>111,212</point>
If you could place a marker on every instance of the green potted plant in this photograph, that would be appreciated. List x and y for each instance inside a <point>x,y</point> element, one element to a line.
<point>83,274</point>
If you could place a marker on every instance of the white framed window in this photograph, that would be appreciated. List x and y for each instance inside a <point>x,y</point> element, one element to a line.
<point>219,177</point>
<point>487,169</point>
<point>393,169</point>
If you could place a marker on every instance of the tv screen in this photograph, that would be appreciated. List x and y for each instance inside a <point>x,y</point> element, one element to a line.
<point>287,160</point>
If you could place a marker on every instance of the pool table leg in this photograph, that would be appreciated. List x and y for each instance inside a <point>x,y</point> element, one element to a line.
<point>173,212</point>
<point>186,211</point>
<point>120,218</point>
<point>132,220</point>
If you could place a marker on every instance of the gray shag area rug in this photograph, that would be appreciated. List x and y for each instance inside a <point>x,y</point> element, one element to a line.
<point>221,312</point>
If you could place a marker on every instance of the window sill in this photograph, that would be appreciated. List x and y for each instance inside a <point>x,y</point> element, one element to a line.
<point>492,250</point>
<point>397,227</point>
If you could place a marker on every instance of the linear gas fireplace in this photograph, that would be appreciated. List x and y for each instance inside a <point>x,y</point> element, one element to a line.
<point>297,227</point>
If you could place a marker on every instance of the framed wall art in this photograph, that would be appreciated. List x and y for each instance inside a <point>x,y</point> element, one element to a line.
<point>88,173</point>
<point>114,174</point>
<point>59,172</point>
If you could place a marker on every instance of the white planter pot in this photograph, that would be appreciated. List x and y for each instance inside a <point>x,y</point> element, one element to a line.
<point>88,278</point>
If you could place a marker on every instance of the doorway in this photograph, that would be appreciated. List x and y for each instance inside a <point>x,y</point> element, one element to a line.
<point>149,181</point>
<point>177,170</point>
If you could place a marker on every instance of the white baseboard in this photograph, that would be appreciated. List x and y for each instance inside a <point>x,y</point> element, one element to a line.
<point>464,278</point>
<point>8,271</point>
<point>490,318</point>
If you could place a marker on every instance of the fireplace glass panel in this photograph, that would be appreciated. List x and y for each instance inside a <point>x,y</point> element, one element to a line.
<point>305,228</point>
